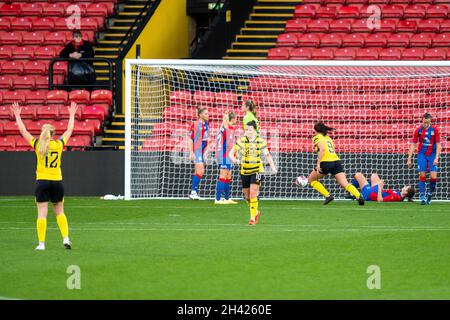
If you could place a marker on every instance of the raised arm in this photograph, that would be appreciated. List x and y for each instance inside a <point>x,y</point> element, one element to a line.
<point>72,111</point>
<point>16,109</point>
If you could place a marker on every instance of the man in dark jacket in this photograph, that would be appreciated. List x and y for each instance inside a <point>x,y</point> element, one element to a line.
<point>79,73</point>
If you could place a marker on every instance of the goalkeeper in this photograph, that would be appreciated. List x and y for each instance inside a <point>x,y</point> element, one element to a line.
<point>249,109</point>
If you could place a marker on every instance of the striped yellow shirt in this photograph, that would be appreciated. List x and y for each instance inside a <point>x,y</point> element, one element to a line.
<point>250,154</point>
<point>329,154</point>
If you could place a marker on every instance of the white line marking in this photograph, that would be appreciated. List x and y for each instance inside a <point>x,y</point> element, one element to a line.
<point>8,298</point>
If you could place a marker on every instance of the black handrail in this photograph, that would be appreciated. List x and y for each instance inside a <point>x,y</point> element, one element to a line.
<point>138,21</point>
<point>50,74</point>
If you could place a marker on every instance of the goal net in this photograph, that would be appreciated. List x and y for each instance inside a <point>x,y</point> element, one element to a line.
<point>375,108</point>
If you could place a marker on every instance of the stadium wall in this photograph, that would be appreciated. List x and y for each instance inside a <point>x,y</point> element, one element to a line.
<point>93,173</point>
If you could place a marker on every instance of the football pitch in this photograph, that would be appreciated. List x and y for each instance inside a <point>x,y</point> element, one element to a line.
<point>180,249</point>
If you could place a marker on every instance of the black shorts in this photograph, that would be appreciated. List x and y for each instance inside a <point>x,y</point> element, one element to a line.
<point>251,179</point>
<point>49,191</point>
<point>332,167</point>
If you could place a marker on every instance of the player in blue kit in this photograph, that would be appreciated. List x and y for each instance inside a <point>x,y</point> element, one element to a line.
<point>225,142</point>
<point>427,141</point>
<point>198,144</point>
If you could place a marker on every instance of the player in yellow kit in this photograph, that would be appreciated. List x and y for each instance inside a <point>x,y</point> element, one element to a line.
<point>328,162</point>
<point>249,149</point>
<point>49,185</point>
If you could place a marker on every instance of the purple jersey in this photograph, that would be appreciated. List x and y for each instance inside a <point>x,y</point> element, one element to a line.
<point>225,142</point>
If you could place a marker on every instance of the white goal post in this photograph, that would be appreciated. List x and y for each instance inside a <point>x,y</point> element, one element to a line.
<point>375,106</point>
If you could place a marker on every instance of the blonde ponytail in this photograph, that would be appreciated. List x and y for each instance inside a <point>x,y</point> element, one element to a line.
<point>44,139</point>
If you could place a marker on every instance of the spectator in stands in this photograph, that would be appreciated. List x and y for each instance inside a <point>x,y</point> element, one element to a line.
<point>82,72</point>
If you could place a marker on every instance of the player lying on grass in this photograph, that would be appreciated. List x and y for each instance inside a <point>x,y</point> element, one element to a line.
<point>328,162</point>
<point>198,143</point>
<point>249,149</point>
<point>49,185</point>
<point>427,141</point>
<point>225,142</point>
<point>373,190</point>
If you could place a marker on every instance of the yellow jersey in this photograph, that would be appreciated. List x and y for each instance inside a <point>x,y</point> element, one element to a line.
<point>329,154</point>
<point>250,154</point>
<point>49,167</point>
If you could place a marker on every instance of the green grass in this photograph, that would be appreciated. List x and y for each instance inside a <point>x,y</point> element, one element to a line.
<point>195,250</point>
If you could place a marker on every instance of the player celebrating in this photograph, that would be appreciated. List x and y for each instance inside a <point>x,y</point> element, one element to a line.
<point>225,141</point>
<point>249,149</point>
<point>427,140</point>
<point>249,109</point>
<point>329,162</point>
<point>49,185</point>
<point>373,190</point>
<point>198,143</point>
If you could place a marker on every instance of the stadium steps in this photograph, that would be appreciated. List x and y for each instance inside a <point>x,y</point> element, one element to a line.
<point>114,135</point>
<point>260,31</point>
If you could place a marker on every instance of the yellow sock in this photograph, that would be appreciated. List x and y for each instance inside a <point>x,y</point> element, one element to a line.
<point>41,229</point>
<point>320,188</point>
<point>253,207</point>
<point>352,189</point>
<point>63,225</point>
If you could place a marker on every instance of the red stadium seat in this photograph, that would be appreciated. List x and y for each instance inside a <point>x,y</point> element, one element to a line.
<point>297,25</point>
<point>11,38</point>
<point>341,25</point>
<point>55,9</point>
<point>300,54</point>
<point>48,112</point>
<point>441,40</point>
<point>390,54</point>
<point>6,82</point>
<point>31,9</point>
<point>182,97</point>
<point>414,11</point>
<point>24,82</point>
<point>12,67</point>
<point>331,40</point>
<point>78,142</point>
<point>204,98</point>
<point>57,96</point>
<point>5,24</point>
<point>387,26</point>
<point>407,26</point>
<point>345,54</point>
<point>398,40</point>
<point>33,38</point>
<point>61,24</point>
<point>45,23</point>
<point>278,53</point>
<point>353,40</point>
<point>28,112</point>
<point>326,12</point>
<point>45,52</point>
<point>369,10</point>
<point>318,26</point>
<point>10,10</point>
<point>309,40</point>
<point>64,112</point>
<point>437,11</point>
<point>90,24</point>
<point>37,97</point>
<point>93,112</point>
<point>60,67</point>
<point>35,67</point>
<point>26,52</point>
<point>84,128</point>
<point>226,98</point>
<point>21,24</point>
<point>361,25</point>
<point>22,144</point>
<point>55,38</point>
<point>101,96</point>
<point>61,126</point>
<point>287,40</point>
<point>34,127</point>
<point>367,54</point>
<point>435,54</point>
<point>392,11</point>
<point>5,52</point>
<point>76,9</point>
<point>376,40</point>
<point>79,96</point>
<point>97,9</point>
<point>13,96</point>
<point>42,82</point>
<point>350,12</point>
<point>322,54</point>
<point>11,128</point>
<point>428,25</point>
<point>413,54</point>
<point>444,26</point>
<point>306,11</point>
<point>7,143</point>
<point>5,113</point>
<point>421,40</point>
